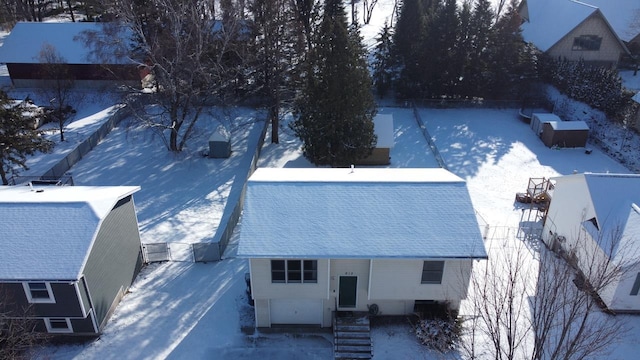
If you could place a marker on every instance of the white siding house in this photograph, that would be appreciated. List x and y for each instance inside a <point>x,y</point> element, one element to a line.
<point>595,219</point>
<point>321,240</point>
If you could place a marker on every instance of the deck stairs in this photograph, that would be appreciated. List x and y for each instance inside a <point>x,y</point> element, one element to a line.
<point>352,337</point>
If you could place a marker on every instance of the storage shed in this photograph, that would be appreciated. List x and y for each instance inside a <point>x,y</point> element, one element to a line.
<point>220,143</point>
<point>383,129</point>
<point>537,119</point>
<point>565,133</point>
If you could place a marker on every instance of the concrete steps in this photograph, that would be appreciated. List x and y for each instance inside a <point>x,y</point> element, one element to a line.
<point>352,337</point>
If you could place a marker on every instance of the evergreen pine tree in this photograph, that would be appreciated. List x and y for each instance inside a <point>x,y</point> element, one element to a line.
<point>442,35</point>
<point>382,61</point>
<point>508,51</point>
<point>336,110</point>
<point>463,49</point>
<point>408,40</point>
<point>17,137</point>
<point>480,28</point>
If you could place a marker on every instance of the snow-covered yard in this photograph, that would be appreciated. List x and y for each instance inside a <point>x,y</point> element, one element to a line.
<point>195,310</point>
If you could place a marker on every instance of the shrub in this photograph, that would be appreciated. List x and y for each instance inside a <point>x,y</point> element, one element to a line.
<point>438,334</point>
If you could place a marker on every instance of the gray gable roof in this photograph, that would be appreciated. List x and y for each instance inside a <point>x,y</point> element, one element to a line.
<point>365,213</point>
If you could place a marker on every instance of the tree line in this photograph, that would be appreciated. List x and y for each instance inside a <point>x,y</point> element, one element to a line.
<point>439,49</point>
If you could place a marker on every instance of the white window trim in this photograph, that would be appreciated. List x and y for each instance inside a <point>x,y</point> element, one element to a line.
<point>68,330</point>
<point>27,291</point>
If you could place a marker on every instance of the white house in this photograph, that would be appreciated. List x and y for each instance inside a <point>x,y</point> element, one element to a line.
<point>320,240</point>
<point>595,218</point>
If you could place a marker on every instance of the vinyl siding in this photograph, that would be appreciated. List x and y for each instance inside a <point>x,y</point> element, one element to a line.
<point>610,48</point>
<point>66,305</point>
<point>401,280</point>
<point>114,260</point>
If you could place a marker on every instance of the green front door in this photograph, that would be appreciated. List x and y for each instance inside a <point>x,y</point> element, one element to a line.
<point>347,294</point>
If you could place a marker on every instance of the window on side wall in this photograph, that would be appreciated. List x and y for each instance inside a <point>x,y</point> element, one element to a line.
<point>636,286</point>
<point>58,325</point>
<point>294,271</point>
<point>587,43</point>
<point>39,292</point>
<point>432,272</point>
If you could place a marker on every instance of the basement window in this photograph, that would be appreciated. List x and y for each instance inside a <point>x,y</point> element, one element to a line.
<point>58,325</point>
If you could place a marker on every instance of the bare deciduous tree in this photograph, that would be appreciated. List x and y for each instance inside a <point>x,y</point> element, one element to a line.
<point>194,61</point>
<point>59,85</point>
<point>498,299</point>
<point>17,328</point>
<point>537,304</point>
<point>367,9</point>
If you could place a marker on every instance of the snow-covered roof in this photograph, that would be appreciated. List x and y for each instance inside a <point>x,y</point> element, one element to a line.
<point>220,134</point>
<point>568,125</point>
<point>47,234</point>
<point>383,128</point>
<point>546,117</point>
<point>359,213</point>
<point>636,97</point>
<point>622,15</point>
<point>550,20</point>
<point>25,42</point>
<point>614,198</point>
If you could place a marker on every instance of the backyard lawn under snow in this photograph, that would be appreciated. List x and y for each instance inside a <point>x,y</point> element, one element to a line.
<point>191,310</point>
<point>186,310</point>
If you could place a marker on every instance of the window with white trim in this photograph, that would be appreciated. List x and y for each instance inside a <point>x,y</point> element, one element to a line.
<point>58,325</point>
<point>39,292</point>
<point>294,271</point>
<point>432,272</point>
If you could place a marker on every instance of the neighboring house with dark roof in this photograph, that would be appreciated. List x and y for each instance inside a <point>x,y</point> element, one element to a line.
<point>572,30</point>
<point>595,219</point>
<point>322,240</point>
<point>22,52</point>
<point>68,254</point>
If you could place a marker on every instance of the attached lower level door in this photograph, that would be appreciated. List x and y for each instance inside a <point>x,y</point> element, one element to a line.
<point>347,291</point>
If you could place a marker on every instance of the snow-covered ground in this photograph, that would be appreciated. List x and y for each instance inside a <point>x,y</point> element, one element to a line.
<point>186,310</point>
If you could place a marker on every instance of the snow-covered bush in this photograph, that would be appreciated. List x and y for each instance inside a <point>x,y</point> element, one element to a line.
<point>599,87</point>
<point>438,334</point>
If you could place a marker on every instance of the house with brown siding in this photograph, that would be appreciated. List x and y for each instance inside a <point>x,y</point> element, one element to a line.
<point>23,51</point>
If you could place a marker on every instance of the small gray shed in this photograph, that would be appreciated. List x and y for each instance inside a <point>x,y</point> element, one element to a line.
<point>220,143</point>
